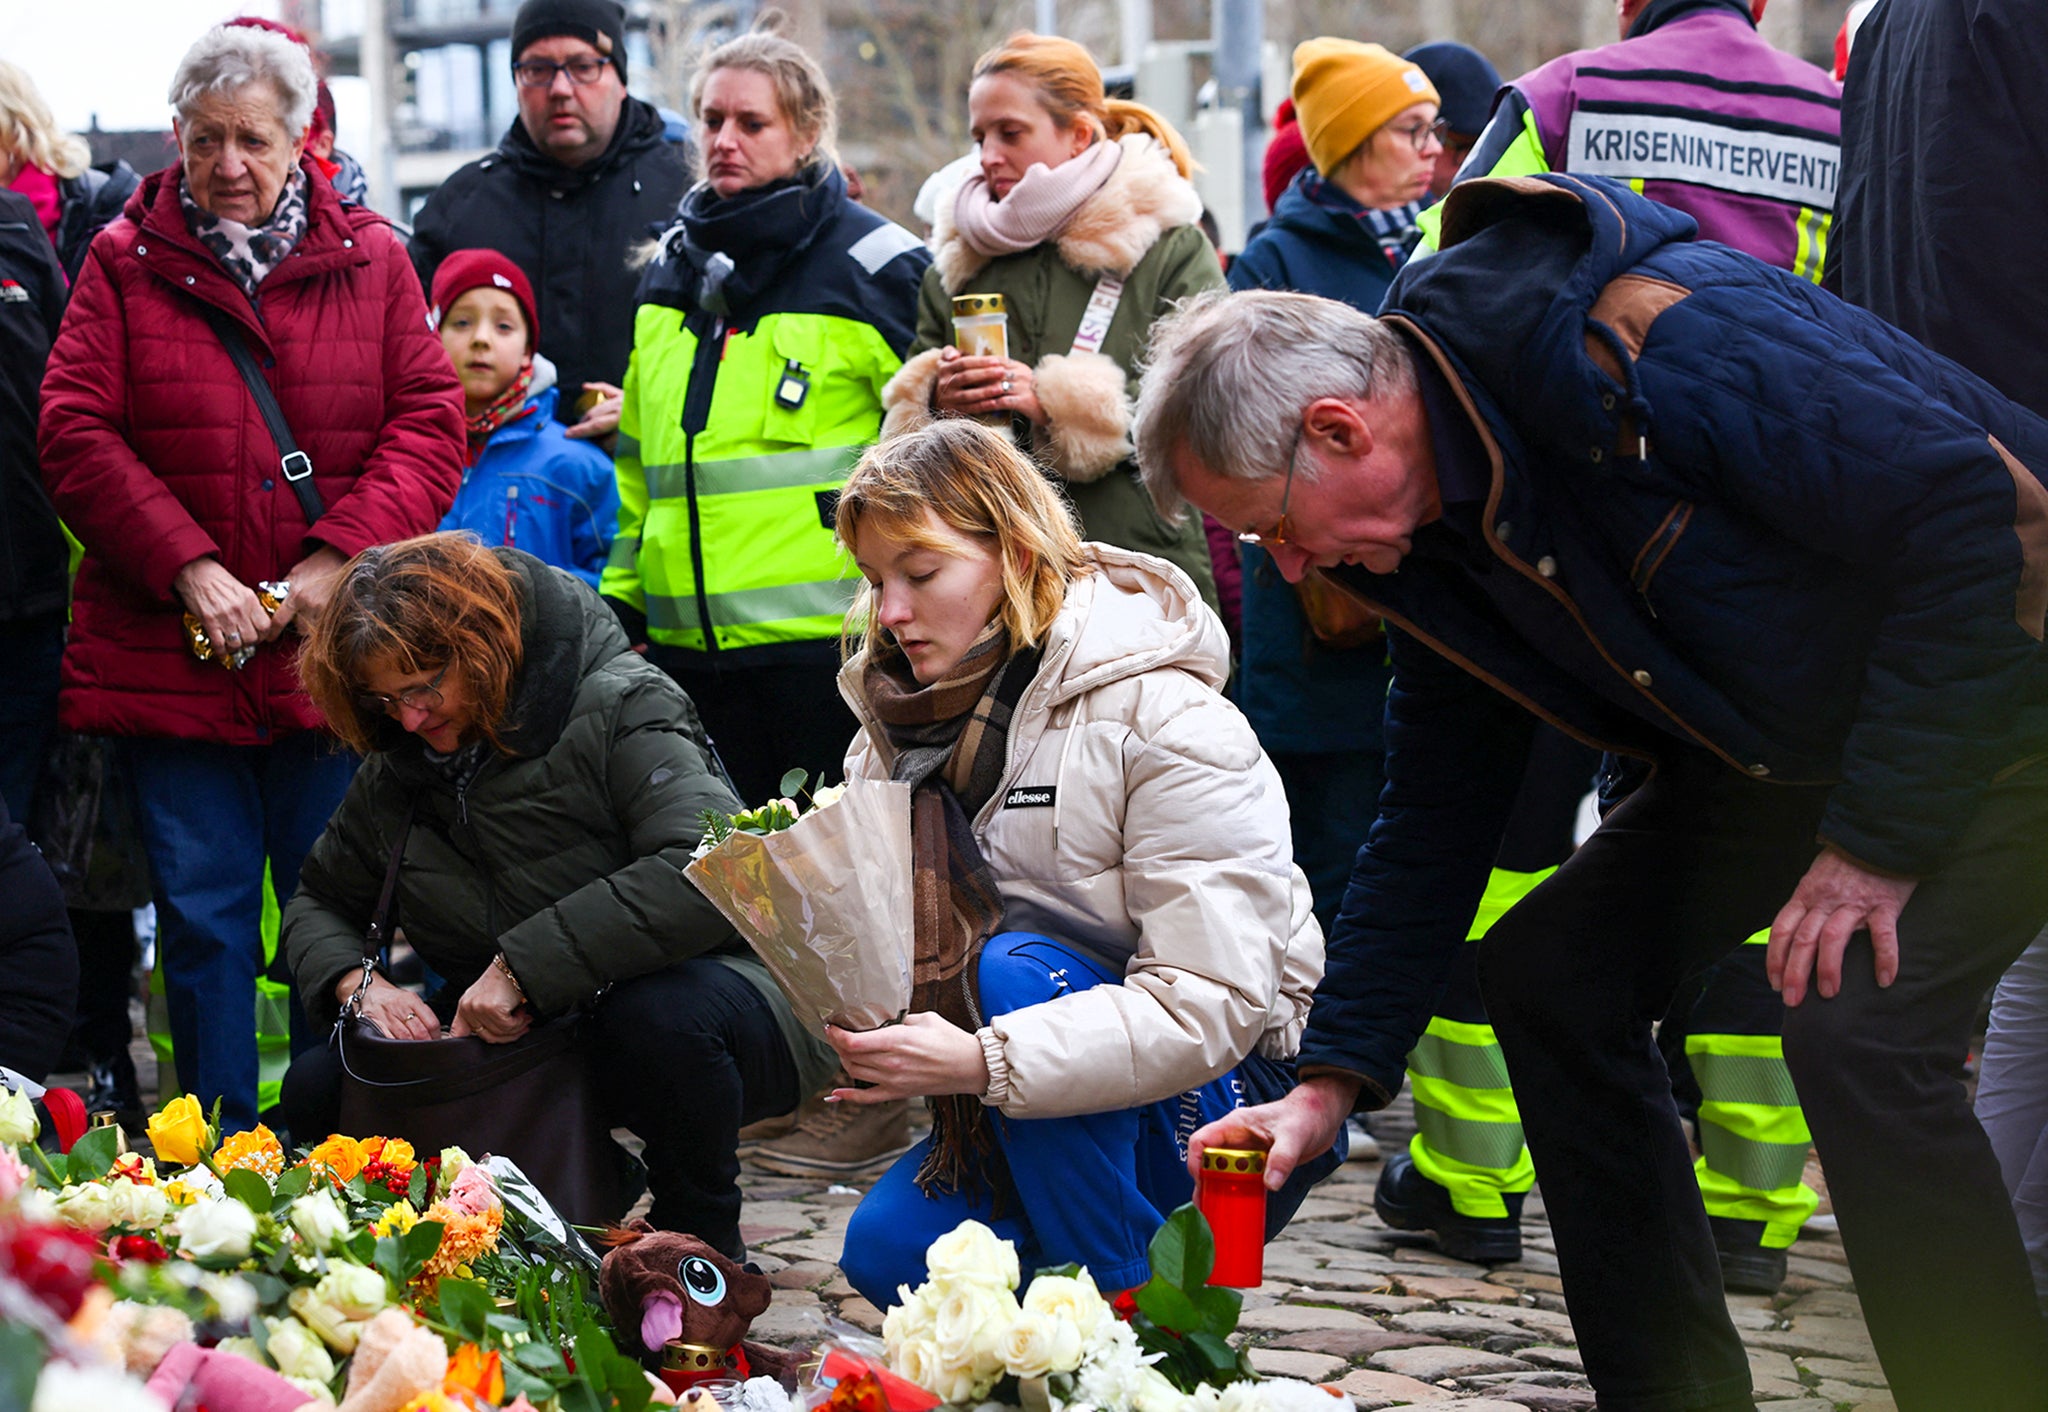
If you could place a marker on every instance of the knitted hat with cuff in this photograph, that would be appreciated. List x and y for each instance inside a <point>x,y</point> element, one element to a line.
<point>598,23</point>
<point>1345,91</point>
<point>465,270</point>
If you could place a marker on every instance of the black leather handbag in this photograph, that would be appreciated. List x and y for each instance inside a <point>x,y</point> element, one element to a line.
<point>534,1100</point>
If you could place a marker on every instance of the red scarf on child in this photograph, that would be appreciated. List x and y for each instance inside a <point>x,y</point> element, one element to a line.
<point>507,407</point>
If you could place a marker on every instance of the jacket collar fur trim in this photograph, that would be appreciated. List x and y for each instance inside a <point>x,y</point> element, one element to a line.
<point>1145,197</point>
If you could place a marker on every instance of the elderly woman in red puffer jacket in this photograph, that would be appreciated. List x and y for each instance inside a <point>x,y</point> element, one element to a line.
<point>157,456</point>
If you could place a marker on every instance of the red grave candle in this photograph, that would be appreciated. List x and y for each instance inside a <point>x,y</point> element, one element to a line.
<point>1231,1196</point>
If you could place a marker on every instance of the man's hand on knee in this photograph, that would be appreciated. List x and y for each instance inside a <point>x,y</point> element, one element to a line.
<point>1836,899</point>
<point>1302,1125</point>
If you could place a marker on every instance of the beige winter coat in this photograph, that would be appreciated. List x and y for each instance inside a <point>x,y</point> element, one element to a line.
<point>1164,852</point>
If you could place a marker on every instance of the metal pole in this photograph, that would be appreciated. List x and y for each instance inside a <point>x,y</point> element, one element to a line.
<point>376,67</point>
<point>1048,21</point>
<point>1239,30</point>
<point>1135,21</point>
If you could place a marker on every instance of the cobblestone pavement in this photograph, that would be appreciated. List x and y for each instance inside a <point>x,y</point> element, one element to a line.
<point>1381,1314</point>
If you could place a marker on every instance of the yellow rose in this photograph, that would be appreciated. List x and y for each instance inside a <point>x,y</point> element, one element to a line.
<point>393,1151</point>
<point>178,1131</point>
<point>17,1118</point>
<point>340,1157</point>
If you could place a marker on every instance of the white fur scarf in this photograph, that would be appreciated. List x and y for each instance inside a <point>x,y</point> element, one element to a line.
<point>1037,208</point>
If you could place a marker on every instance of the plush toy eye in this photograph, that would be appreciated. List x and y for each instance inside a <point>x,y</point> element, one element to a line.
<point>704,1280</point>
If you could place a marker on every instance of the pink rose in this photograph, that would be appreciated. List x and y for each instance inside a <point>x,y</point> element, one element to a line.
<point>473,1194</point>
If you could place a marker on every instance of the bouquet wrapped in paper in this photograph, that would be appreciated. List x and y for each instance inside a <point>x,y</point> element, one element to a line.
<point>823,896</point>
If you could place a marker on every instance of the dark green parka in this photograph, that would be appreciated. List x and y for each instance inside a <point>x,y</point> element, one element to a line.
<point>566,854</point>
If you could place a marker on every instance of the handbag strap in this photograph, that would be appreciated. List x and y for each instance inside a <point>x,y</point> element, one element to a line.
<point>1095,319</point>
<point>293,464</point>
<point>377,935</point>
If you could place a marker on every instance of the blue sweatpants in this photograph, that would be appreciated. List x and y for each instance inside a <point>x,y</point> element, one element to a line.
<point>1091,1189</point>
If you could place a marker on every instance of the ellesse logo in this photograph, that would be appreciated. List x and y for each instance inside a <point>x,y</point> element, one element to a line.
<point>1030,796</point>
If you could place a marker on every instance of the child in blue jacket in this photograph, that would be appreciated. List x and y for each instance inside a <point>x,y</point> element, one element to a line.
<point>528,484</point>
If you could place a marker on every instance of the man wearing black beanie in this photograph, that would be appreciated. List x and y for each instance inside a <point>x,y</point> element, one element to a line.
<point>585,171</point>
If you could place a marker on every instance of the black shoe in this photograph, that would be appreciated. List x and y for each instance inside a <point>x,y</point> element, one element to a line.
<point>1747,1267</point>
<point>114,1088</point>
<point>1408,1201</point>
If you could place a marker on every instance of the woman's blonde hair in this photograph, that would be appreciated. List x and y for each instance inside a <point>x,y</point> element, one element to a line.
<point>29,134</point>
<point>1069,86</point>
<point>434,601</point>
<point>801,89</point>
<point>976,481</point>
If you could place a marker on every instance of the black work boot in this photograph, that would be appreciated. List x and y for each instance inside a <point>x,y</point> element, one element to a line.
<point>1408,1201</point>
<point>1747,1267</point>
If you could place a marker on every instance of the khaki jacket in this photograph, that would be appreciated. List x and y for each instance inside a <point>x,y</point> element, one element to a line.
<point>1138,820</point>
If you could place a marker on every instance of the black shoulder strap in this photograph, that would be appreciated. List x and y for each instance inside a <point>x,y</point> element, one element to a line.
<point>295,465</point>
<point>382,922</point>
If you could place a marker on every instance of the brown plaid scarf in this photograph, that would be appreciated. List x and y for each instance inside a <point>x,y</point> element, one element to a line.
<point>951,740</point>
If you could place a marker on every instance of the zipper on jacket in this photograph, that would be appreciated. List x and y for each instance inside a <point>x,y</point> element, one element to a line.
<point>696,414</point>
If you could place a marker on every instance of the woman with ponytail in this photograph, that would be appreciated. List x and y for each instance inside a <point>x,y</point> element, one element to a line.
<point>1083,219</point>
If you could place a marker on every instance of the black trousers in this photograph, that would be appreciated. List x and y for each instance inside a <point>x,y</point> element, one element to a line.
<point>690,1054</point>
<point>1574,977</point>
<point>767,720</point>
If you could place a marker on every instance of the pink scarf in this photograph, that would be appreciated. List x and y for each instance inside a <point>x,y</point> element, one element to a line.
<point>1037,208</point>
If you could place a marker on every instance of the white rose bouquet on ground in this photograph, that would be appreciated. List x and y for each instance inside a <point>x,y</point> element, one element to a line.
<point>965,1336</point>
<point>822,895</point>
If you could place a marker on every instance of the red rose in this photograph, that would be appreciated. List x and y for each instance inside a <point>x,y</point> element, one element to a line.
<point>139,1247</point>
<point>55,1263</point>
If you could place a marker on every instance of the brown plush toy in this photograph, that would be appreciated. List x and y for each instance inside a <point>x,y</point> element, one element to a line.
<point>667,1287</point>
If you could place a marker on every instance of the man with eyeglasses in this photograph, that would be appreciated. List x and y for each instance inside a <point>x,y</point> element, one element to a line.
<point>1791,565</point>
<point>583,174</point>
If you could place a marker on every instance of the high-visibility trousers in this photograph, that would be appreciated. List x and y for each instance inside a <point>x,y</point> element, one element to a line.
<point>1753,1136</point>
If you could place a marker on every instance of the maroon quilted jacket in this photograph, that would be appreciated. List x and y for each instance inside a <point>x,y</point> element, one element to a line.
<point>155,454</point>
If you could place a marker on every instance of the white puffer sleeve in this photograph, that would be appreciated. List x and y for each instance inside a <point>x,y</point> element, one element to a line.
<point>1209,883</point>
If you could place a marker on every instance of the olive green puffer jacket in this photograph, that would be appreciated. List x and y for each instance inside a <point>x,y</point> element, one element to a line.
<point>566,854</point>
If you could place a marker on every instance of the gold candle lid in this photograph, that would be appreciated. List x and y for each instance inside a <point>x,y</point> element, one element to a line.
<point>967,305</point>
<point>1233,1159</point>
<point>681,1357</point>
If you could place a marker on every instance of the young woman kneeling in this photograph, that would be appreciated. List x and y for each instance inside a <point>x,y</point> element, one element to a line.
<point>1113,941</point>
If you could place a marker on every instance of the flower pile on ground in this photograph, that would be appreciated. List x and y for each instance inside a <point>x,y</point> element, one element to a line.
<point>967,1337</point>
<point>356,1273</point>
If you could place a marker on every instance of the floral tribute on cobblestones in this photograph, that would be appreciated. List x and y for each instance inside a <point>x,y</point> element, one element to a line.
<point>232,1275</point>
<point>969,1337</point>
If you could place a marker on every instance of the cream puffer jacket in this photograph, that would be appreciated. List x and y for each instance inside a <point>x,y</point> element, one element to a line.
<point>1139,821</point>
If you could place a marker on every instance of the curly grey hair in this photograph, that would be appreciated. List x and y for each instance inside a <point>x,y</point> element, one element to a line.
<point>228,58</point>
<point>1228,375</point>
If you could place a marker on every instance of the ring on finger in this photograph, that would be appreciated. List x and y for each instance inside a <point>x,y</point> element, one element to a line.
<point>1006,384</point>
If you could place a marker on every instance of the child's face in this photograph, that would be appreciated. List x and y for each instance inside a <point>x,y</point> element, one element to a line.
<point>484,333</point>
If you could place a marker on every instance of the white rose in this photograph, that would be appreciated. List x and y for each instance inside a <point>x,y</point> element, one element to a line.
<point>1151,1392</point>
<point>970,1320</point>
<point>216,1230</point>
<point>1073,1298</point>
<point>62,1387</point>
<point>828,795</point>
<point>918,1360</point>
<point>353,1290</point>
<point>911,1318</point>
<point>319,1219</point>
<point>1035,1345</point>
<point>17,1118</point>
<point>297,1351</point>
<point>971,1251</point>
<point>234,1298</point>
<point>242,1348</point>
<point>317,1391</point>
<point>134,1204</point>
<point>36,1207</point>
<point>89,1207</point>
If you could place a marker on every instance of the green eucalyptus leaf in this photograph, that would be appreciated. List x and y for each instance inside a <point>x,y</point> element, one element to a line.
<point>795,781</point>
<point>93,1154</point>
<point>249,1188</point>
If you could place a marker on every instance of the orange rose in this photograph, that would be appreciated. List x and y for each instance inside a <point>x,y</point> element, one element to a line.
<point>340,1157</point>
<point>257,1150</point>
<point>392,1151</point>
<point>473,1373</point>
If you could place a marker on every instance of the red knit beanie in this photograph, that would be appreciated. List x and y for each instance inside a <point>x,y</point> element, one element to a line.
<point>1286,153</point>
<point>465,270</point>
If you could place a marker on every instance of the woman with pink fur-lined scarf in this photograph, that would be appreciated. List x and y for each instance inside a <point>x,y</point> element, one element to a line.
<point>1083,219</point>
